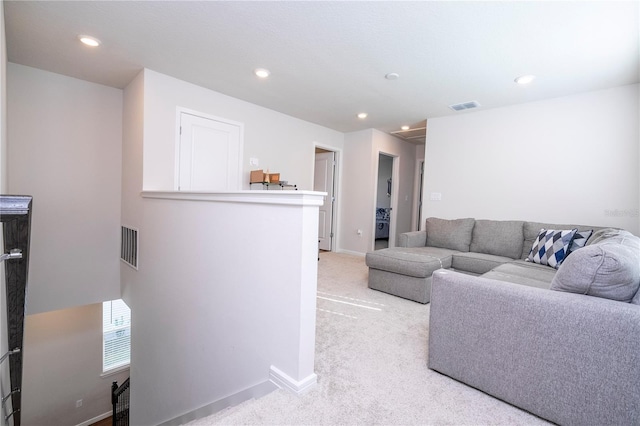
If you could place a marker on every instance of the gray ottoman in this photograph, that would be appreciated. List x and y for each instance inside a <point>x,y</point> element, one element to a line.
<point>406,272</point>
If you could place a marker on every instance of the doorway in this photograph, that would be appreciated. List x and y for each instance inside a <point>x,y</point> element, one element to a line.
<point>324,178</point>
<point>384,205</point>
<point>419,201</point>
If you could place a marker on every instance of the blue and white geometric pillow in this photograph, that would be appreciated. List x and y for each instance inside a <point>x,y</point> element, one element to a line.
<point>579,240</point>
<point>551,246</point>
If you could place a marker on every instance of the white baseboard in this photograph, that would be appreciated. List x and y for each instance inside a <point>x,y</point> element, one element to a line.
<point>298,387</point>
<point>95,419</point>
<point>253,392</point>
<point>355,253</point>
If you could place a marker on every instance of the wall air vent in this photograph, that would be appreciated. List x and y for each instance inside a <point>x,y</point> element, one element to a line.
<point>464,105</point>
<point>129,246</point>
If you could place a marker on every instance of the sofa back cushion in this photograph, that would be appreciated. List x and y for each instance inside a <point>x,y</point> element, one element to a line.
<point>498,237</point>
<point>532,229</point>
<point>609,267</point>
<point>450,234</point>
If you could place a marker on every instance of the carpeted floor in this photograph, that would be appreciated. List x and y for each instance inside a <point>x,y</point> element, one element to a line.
<point>371,352</point>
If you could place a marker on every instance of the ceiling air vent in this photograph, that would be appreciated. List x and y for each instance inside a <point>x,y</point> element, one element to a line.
<point>464,105</point>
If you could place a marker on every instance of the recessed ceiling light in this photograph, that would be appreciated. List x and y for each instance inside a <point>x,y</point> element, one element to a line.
<point>261,72</point>
<point>405,127</point>
<point>525,79</point>
<point>89,41</point>
<point>392,76</point>
<point>362,115</point>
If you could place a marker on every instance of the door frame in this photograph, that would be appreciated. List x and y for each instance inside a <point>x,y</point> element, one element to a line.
<point>395,185</point>
<point>335,208</point>
<point>418,196</point>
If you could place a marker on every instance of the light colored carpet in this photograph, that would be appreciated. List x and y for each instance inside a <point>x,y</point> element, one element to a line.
<point>371,362</point>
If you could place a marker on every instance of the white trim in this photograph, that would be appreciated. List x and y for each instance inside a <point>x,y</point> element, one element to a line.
<point>415,225</point>
<point>354,253</point>
<point>176,156</point>
<point>254,392</point>
<point>298,387</point>
<point>293,198</point>
<point>95,419</point>
<point>116,370</point>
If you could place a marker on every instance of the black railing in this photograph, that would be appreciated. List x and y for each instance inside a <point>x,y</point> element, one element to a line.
<point>15,216</point>
<point>120,402</point>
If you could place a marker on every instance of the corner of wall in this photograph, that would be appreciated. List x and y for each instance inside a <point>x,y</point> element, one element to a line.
<point>297,387</point>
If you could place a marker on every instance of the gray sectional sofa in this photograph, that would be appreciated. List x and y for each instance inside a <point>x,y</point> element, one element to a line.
<point>491,248</point>
<point>560,341</point>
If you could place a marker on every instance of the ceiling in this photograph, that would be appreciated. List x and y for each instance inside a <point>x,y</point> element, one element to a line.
<point>328,60</point>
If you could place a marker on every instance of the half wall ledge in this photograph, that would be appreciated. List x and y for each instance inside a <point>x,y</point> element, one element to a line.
<point>291,198</point>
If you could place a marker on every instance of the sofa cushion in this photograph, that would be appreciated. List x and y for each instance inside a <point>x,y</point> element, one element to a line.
<point>412,239</point>
<point>450,234</point>
<point>609,235</point>
<point>551,246</point>
<point>477,263</point>
<point>417,262</point>
<point>525,273</point>
<point>498,237</point>
<point>532,229</point>
<point>609,268</point>
<point>636,298</point>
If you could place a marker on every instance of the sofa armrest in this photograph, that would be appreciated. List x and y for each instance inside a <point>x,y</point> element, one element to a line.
<point>569,358</point>
<point>413,239</point>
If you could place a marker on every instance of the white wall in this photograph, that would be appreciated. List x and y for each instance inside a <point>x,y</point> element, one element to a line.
<point>62,364</point>
<point>224,291</point>
<point>132,141</point>
<point>3,104</point>
<point>280,142</point>
<point>359,187</point>
<point>566,160</point>
<point>64,142</point>
<point>211,313</point>
<point>64,148</point>
<point>357,201</point>
<point>4,368</point>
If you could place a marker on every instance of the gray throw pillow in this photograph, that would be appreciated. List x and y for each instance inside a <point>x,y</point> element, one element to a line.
<point>579,240</point>
<point>450,234</point>
<point>610,270</point>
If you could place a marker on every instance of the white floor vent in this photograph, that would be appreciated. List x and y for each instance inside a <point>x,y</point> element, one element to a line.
<point>129,246</point>
<point>464,105</point>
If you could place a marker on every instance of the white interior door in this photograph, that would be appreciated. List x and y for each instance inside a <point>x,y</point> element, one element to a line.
<point>323,177</point>
<point>209,154</point>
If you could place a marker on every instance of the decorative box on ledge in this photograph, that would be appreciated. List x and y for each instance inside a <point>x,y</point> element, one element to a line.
<point>259,176</point>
